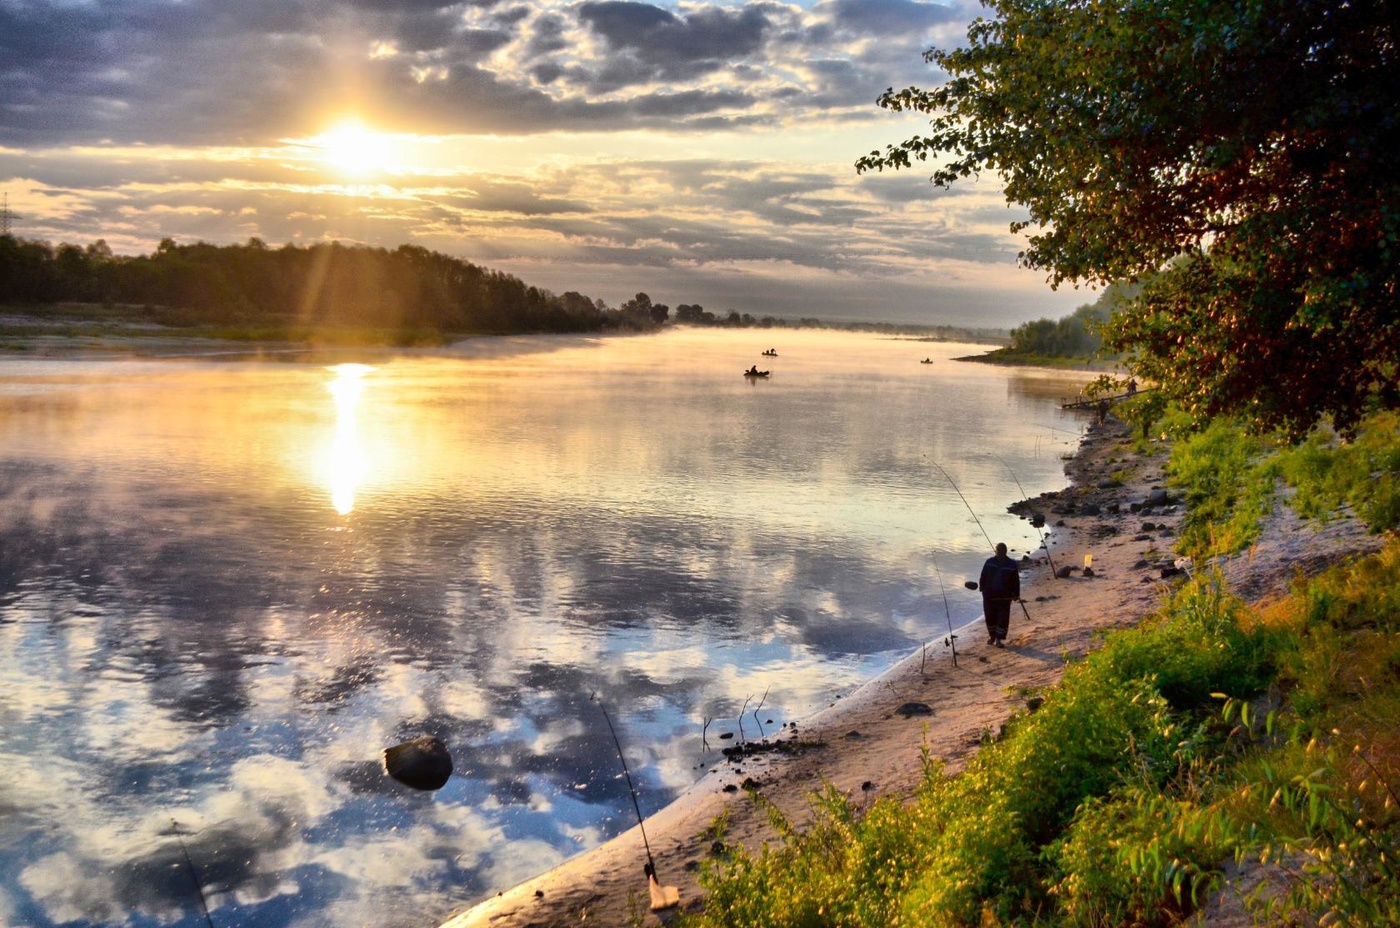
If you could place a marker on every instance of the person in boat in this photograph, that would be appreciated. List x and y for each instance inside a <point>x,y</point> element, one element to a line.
<point>1000,584</point>
<point>753,370</point>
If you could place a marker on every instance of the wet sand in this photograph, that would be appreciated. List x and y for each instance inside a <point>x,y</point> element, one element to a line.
<point>870,743</point>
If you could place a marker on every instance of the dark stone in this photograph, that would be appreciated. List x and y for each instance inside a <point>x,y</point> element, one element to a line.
<point>1157,497</point>
<point>911,709</point>
<point>1034,702</point>
<point>1142,564</point>
<point>422,763</point>
<point>1064,573</point>
<point>1149,526</point>
<point>867,786</point>
<point>1088,571</point>
<point>726,736</point>
<point>852,735</point>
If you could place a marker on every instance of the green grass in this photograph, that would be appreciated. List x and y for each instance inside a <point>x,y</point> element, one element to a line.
<point>1363,474</point>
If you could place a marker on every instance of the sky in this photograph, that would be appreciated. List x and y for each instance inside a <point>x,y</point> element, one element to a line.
<point>700,152</point>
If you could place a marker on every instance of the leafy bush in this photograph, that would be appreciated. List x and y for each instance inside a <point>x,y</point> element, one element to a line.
<point>1139,858</point>
<point>1196,648</point>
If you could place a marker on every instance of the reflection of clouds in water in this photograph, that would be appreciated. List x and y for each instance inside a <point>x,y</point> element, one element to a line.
<point>39,788</point>
<point>41,684</point>
<point>124,727</point>
<point>243,838</point>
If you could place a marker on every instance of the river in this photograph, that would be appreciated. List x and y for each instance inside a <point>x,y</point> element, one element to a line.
<point>227,584</point>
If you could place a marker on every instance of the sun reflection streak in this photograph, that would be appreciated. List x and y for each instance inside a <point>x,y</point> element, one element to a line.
<point>345,462</point>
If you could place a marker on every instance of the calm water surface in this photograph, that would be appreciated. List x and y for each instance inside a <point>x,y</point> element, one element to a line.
<point>227,585</point>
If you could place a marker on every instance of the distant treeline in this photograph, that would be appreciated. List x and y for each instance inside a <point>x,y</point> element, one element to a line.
<point>324,285</point>
<point>1072,336</point>
<point>410,291</point>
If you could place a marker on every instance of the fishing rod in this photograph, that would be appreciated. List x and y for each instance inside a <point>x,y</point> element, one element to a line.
<point>662,897</point>
<point>194,874</point>
<point>947,610</point>
<point>970,511</point>
<point>1033,525</point>
<point>651,864</point>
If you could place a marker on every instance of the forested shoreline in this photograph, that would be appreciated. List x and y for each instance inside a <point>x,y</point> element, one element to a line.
<point>335,292</point>
<point>406,289</point>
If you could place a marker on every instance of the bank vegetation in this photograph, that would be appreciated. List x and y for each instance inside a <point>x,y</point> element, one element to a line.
<point>1220,744</point>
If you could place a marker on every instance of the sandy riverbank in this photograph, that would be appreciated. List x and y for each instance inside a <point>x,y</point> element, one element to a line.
<point>869,744</point>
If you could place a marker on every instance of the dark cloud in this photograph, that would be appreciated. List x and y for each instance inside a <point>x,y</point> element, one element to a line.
<point>547,36</point>
<point>689,103</point>
<point>669,47</point>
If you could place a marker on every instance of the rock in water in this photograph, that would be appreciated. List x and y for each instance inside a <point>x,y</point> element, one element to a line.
<point>422,763</point>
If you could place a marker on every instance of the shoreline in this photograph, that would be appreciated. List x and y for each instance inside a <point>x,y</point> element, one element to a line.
<point>870,743</point>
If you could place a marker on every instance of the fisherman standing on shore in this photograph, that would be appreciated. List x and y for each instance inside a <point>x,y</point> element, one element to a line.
<point>1000,584</point>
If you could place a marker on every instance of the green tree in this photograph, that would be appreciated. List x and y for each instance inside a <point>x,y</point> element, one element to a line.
<point>1240,158</point>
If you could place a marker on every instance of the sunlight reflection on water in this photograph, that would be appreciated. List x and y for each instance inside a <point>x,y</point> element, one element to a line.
<point>346,459</point>
<point>226,586</point>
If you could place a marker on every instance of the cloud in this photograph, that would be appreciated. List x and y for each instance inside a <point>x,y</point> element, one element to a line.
<point>671,47</point>
<point>706,144</point>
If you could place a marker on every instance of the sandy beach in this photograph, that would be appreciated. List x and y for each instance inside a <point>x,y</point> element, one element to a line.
<point>869,744</point>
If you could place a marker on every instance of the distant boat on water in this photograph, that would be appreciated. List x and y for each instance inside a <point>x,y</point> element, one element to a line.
<point>755,372</point>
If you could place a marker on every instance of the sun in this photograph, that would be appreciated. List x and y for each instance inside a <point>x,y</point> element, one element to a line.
<point>354,149</point>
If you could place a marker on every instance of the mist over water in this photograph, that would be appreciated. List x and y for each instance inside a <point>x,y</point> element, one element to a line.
<point>226,586</point>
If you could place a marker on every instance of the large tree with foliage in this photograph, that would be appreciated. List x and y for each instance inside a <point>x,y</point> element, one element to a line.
<point>1241,158</point>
